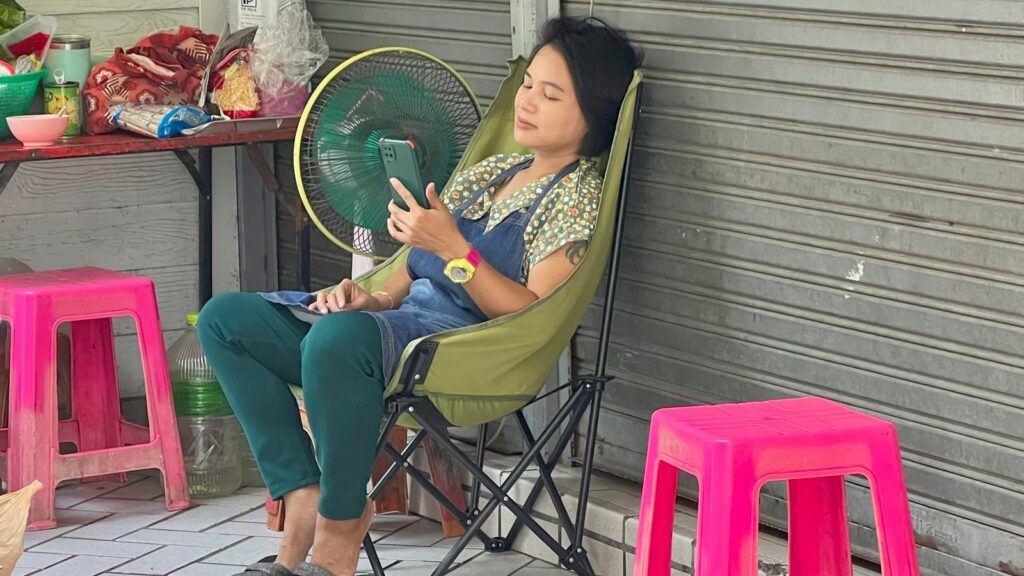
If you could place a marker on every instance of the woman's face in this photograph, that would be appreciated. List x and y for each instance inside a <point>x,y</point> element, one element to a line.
<point>548,116</point>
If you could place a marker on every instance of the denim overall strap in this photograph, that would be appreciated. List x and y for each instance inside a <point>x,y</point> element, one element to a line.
<point>569,169</point>
<point>501,178</point>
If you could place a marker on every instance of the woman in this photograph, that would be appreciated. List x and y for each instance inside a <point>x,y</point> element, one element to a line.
<point>508,231</point>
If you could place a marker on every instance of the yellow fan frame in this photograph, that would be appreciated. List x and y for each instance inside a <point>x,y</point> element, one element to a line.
<point>304,120</point>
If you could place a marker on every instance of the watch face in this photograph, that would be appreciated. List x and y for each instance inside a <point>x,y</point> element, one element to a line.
<point>460,274</point>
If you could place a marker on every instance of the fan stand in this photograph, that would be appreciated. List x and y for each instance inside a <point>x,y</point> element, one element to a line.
<point>361,264</point>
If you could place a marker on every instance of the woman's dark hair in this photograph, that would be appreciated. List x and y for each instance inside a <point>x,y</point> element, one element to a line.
<point>601,60</point>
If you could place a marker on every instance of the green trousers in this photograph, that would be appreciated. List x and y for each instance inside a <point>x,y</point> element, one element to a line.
<point>257,349</point>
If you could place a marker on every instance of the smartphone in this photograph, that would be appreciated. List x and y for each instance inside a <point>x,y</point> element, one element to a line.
<point>401,161</point>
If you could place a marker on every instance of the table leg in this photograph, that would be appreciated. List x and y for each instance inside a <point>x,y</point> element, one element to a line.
<point>7,173</point>
<point>293,205</point>
<point>202,174</point>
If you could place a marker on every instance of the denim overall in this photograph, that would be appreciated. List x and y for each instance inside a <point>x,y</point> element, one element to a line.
<point>435,303</point>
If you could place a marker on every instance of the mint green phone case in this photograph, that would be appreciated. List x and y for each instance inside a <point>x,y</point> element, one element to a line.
<point>401,161</point>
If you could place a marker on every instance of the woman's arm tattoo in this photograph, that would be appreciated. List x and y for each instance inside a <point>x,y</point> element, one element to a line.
<point>575,251</point>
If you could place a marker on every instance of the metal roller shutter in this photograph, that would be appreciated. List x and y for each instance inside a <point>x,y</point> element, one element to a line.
<point>827,200</point>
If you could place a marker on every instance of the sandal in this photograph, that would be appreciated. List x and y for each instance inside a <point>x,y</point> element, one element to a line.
<point>307,569</point>
<point>266,569</point>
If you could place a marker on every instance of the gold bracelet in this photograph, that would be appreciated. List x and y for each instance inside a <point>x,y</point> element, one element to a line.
<point>391,301</point>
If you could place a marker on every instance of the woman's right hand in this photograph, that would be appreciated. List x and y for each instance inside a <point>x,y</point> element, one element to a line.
<point>346,296</point>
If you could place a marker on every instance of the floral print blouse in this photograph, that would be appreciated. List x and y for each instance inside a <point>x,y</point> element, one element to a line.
<point>568,213</point>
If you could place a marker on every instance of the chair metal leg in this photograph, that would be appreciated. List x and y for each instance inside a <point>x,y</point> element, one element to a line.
<point>545,469</point>
<point>597,388</point>
<point>500,494</point>
<point>401,459</point>
<point>481,449</point>
<point>371,555</point>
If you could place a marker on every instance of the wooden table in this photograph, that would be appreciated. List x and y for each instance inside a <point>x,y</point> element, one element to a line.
<point>247,133</point>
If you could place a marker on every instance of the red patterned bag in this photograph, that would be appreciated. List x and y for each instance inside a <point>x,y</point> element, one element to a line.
<point>163,68</point>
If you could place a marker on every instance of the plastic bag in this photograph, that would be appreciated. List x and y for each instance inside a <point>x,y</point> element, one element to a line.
<point>286,54</point>
<point>13,519</point>
<point>158,121</point>
<point>31,38</point>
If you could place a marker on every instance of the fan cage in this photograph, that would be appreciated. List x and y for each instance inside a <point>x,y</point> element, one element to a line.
<point>393,93</point>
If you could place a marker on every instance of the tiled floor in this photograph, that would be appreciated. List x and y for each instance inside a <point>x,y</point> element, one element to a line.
<point>106,528</point>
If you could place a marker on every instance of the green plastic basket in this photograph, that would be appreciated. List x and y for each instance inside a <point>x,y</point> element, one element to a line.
<point>16,95</point>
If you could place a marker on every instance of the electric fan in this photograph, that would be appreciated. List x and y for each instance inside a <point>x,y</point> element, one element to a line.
<point>386,93</point>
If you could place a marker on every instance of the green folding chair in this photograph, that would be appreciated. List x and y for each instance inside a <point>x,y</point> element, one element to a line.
<point>437,382</point>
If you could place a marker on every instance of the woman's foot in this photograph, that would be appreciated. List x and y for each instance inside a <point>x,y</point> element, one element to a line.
<point>299,525</point>
<point>337,544</point>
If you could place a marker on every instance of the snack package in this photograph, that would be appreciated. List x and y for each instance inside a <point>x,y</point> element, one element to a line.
<point>286,53</point>
<point>234,87</point>
<point>158,121</point>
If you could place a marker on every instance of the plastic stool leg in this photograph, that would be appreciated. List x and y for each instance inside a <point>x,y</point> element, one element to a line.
<point>95,403</point>
<point>819,537</point>
<point>33,414</point>
<point>892,514</point>
<point>657,511</point>
<point>163,425</point>
<point>726,525</point>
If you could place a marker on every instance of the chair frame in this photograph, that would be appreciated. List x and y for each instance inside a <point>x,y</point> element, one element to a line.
<point>585,392</point>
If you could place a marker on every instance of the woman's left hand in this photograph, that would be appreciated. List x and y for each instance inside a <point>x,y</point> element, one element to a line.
<point>431,229</point>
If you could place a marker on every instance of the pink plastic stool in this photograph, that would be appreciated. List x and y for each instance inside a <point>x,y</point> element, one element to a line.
<point>35,305</point>
<point>733,449</point>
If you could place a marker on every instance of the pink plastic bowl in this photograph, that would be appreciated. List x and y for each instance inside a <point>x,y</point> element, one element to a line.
<point>37,129</point>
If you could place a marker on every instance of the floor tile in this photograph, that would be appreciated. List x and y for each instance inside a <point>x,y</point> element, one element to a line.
<point>493,564</point>
<point>239,502</point>
<point>165,560</point>
<point>180,538</point>
<point>70,495</point>
<point>412,568</point>
<point>76,546</point>
<point>19,571</point>
<point>38,537</point>
<point>391,522</point>
<point>259,515</point>
<point>421,533</point>
<point>79,517</point>
<point>261,490</point>
<point>417,553</point>
<point>67,520</point>
<point>246,552</point>
<point>202,569</point>
<point>124,506</point>
<point>364,567</point>
<point>242,529</point>
<point>81,566</point>
<point>39,560</point>
<point>198,519</point>
<point>532,570</point>
<point>607,560</point>
<point>145,489</point>
<point>114,526</point>
<point>474,544</point>
<point>530,544</point>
